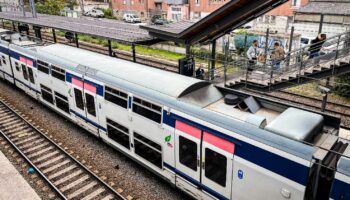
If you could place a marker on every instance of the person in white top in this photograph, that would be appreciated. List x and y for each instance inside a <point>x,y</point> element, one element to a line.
<point>252,54</point>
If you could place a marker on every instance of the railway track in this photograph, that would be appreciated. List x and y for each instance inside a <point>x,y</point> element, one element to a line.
<point>63,173</point>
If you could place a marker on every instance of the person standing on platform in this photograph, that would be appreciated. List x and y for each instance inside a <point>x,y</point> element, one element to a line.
<point>277,56</point>
<point>252,55</point>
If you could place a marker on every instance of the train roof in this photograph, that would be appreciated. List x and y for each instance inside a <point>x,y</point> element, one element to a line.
<point>158,85</point>
<point>167,83</point>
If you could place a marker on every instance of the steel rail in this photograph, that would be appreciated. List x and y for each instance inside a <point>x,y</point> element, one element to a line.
<point>52,143</point>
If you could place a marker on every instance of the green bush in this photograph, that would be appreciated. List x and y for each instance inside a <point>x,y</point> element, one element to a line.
<point>108,13</point>
<point>51,7</point>
<point>343,88</point>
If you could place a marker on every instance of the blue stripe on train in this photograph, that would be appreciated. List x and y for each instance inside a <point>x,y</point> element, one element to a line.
<point>195,182</point>
<point>89,121</point>
<point>99,88</point>
<point>266,159</point>
<point>4,50</point>
<point>17,56</point>
<point>35,90</point>
<point>340,190</point>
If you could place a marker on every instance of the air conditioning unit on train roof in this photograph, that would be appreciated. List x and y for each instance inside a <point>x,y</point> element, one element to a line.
<point>297,124</point>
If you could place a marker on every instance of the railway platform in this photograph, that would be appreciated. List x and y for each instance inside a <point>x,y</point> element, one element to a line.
<point>12,185</point>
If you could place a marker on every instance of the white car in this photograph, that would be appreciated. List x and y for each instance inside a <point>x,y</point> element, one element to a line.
<point>94,13</point>
<point>131,18</point>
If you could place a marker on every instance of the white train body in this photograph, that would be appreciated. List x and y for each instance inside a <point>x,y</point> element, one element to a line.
<point>176,126</point>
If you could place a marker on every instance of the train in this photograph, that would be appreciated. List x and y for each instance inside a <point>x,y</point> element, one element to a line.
<point>209,141</point>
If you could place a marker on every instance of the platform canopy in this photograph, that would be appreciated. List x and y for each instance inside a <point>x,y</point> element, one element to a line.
<point>230,16</point>
<point>103,28</point>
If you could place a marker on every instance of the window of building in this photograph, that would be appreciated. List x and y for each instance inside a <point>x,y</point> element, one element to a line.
<point>62,102</point>
<point>197,2</point>
<point>79,99</point>
<point>117,97</point>
<point>215,167</point>
<point>295,3</point>
<point>46,93</point>
<point>58,73</point>
<point>188,153</point>
<point>118,133</point>
<point>31,75</point>
<point>90,104</point>
<point>147,109</point>
<point>147,149</point>
<point>24,71</point>
<point>176,9</point>
<point>43,66</point>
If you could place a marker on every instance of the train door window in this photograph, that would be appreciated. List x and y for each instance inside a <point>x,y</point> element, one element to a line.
<point>118,133</point>
<point>147,149</point>
<point>147,109</point>
<point>17,67</point>
<point>46,93</point>
<point>188,153</point>
<point>79,99</point>
<point>31,76</point>
<point>90,104</point>
<point>58,73</point>
<point>3,60</point>
<point>24,70</point>
<point>62,102</point>
<point>117,97</point>
<point>43,66</point>
<point>215,167</point>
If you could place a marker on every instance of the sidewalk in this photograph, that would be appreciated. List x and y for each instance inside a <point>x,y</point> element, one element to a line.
<point>12,185</point>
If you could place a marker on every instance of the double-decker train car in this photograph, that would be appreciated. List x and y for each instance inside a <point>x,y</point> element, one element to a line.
<point>211,142</point>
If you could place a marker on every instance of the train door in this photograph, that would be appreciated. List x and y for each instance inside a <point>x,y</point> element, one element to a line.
<point>85,103</point>
<point>217,164</point>
<point>204,160</point>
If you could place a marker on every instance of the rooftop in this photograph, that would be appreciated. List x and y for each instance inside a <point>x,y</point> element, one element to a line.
<point>330,7</point>
<point>108,29</point>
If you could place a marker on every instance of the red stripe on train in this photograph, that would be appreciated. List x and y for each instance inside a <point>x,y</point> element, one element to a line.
<point>195,132</point>
<point>219,142</point>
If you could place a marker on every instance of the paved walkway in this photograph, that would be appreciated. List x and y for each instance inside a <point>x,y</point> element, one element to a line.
<point>12,185</point>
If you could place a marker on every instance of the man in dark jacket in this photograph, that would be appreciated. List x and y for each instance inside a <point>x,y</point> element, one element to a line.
<point>316,45</point>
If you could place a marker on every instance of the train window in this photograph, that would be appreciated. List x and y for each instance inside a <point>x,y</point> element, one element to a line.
<point>17,66</point>
<point>90,104</point>
<point>31,76</point>
<point>147,149</point>
<point>215,167</point>
<point>147,109</point>
<point>117,97</point>
<point>62,102</point>
<point>188,153</point>
<point>46,94</point>
<point>58,73</point>
<point>43,66</point>
<point>79,99</point>
<point>118,133</point>
<point>4,60</point>
<point>24,70</point>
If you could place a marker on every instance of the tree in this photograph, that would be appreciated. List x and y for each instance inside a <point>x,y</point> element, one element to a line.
<point>51,7</point>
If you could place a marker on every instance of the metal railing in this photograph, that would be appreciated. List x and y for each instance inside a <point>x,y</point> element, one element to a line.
<point>294,64</point>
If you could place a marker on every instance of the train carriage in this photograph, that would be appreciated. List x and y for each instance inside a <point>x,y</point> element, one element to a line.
<point>185,130</point>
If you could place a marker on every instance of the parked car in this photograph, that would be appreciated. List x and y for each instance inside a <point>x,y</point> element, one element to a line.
<point>158,20</point>
<point>131,18</point>
<point>94,13</point>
